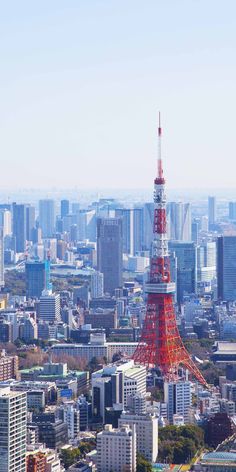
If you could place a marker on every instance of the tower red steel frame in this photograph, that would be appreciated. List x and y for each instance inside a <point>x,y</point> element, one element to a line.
<point>161,345</point>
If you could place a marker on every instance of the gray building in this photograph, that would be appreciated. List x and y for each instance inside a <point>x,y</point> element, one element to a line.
<point>49,307</point>
<point>47,219</point>
<point>19,226</point>
<point>186,267</point>
<point>226,267</point>
<point>35,279</point>
<point>211,210</point>
<point>232,210</point>
<point>30,222</point>
<point>109,252</point>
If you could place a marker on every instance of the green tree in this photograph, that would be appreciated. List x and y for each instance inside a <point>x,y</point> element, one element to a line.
<point>143,465</point>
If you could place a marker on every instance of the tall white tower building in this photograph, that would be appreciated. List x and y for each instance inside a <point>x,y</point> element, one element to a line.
<point>116,449</point>
<point>146,427</point>
<point>13,409</point>
<point>178,397</point>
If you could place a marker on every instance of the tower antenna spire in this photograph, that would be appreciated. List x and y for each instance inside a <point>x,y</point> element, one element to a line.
<point>160,175</point>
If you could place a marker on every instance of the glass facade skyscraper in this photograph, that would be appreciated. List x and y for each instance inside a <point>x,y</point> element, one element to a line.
<point>226,267</point>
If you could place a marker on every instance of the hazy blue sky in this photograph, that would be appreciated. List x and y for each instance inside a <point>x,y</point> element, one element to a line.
<point>81,82</point>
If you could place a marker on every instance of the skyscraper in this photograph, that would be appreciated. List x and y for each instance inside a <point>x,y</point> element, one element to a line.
<point>65,208</point>
<point>148,217</point>
<point>211,210</point>
<point>5,222</point>
<point>47,217</point>
<point>30,221</point>
<point>132,223</point>
<point>1,259</point>
<point>186,255</point>
<point>179,221</point>
<point>35,279</point>
<point>232,210</point>
<point>13,409</point>
<point>19,226</point>
<point>109,252</point>
<point>226,267</point>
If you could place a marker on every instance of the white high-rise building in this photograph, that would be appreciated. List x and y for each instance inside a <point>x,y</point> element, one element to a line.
<point>146,427</point>
<point>13,410</point>
<point>97,285</point>
<point>6,222</point>
<point>179,221</point>
<point>47,218</point>
<point>49,306</point>
<point>71,416</point>
<point>178,397</point>
<point>212,210</point>
<point>116,449</point>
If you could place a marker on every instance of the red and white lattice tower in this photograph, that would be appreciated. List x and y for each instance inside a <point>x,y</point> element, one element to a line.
<point>161,345</point>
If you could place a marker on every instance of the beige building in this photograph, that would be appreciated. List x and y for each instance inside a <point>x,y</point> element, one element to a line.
<point>116,449</point>
<point>146,427</point>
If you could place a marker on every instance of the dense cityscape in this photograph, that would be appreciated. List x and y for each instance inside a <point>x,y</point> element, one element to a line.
<point>118,335</point>
<point>117,236</point>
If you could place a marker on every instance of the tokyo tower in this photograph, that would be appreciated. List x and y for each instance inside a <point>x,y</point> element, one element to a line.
<point>160,344</point>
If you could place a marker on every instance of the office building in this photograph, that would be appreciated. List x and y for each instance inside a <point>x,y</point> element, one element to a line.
<point>8,366</point>
<point>30,221</point>
<point>53,433</point>
<point>86,222</point>
<point>148,218</point>
<point>101,318</point>
<point>13,411</point>
<point>35,279</point>
<point>211,211</point>
<point>29,328</point>
<point>19,226</point>
<point>146,428</point>
<point>49,306</point>
<point>5,331</point>
<point>179,221</point>
<point>132,224</point>
<point>47,219</point>
<point>83,407</point>
<point>2,283</point>
<point>186,267</point>
<point>97,290</point>
<point>96,348</point>
<point>178,397</point>
<point>226,268</point>
<point>71,417</point>
<point>5,222</point>
<point>114,384</point>
<point>232,210</point>
<point>109,252</point>
<point>65,208</point>
<point>116,449</point>
<point>195,230</point>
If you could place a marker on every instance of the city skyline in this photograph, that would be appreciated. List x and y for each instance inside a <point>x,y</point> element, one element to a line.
<point>83,85</point>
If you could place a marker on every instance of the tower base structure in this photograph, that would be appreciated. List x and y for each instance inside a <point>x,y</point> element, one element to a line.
<point>161,345</point>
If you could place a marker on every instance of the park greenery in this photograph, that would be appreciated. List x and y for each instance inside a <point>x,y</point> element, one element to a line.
<point>71,456</point>
<point>178,445</point>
